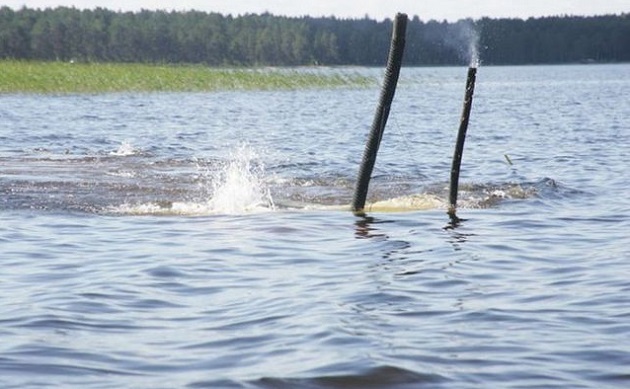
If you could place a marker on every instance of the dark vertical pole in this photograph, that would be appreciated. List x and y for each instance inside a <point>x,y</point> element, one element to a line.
<point>461,137</point>
<point>392,72</point>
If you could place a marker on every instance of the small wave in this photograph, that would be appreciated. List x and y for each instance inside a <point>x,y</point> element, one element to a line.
<point>473,196</point>
<point>378,377</point>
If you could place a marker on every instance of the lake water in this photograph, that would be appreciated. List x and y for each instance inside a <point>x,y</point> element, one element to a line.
<point>203,240</point>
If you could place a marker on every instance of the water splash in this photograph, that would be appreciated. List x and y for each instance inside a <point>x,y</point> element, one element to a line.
<point>473,48</point>
<point>239,187</point>
<point>463,37</point>
<point>125,149</point>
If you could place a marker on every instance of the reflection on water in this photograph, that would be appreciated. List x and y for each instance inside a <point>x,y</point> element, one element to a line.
<point>366,228</point>
<point>456,237</point>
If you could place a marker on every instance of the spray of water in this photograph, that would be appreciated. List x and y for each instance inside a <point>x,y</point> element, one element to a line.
<point>239,187</point>
<point>463,37</point>
<point>125,149</point>
<point>473,49</point>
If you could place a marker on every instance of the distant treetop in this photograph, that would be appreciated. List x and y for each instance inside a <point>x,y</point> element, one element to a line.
<point>101,35</point>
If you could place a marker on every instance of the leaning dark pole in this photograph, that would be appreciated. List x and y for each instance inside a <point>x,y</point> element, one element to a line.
<point>461,138</point>
<point>392,72</point>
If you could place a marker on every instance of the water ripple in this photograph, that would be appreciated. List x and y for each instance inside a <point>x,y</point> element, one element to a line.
<point>528,290</point>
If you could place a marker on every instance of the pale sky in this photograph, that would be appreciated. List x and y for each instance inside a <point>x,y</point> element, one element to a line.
<point>450,10</point>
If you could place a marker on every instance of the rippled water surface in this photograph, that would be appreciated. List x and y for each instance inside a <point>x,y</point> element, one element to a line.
<point>204,240</point>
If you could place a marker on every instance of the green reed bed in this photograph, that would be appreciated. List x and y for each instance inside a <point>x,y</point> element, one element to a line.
<point>63,77</point>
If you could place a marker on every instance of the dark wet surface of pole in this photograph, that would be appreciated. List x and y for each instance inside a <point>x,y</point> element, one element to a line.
<point>461,138</point>
<point>392,72</point>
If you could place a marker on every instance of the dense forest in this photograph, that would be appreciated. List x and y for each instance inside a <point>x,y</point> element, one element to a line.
<point>101,35</point>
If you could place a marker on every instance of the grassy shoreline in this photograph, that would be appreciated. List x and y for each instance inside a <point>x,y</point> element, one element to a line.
<point>65,78</point>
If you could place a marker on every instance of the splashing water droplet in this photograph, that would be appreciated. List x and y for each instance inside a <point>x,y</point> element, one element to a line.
<point>475,61</point>
<point>125,149</point>
<point>239,186</point>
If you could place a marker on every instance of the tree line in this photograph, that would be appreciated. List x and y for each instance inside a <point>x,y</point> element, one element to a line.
<point>102,35</point>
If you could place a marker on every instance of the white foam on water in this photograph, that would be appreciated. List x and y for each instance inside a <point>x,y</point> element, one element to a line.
<point>408,203</point>
<point>414,202</point>
<point>240,186</point>
<point>177,208</point>
<point>240,194</point>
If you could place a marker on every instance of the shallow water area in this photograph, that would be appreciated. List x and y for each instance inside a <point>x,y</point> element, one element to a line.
<point>204,240</point>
